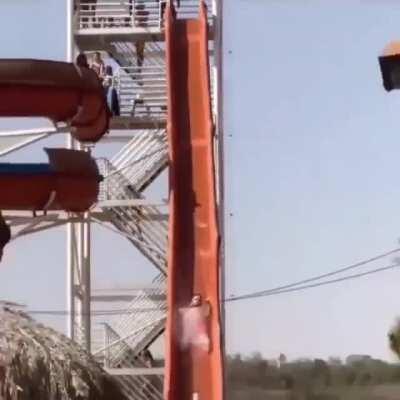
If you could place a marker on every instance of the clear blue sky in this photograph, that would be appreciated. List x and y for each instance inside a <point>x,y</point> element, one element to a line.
<point>313,166</point>
<point>312,174</point>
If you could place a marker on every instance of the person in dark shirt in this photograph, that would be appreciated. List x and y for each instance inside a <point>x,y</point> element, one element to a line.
<point>110,91</point>
<point>5,235</point>
<point>139,47</point>
<point>81,60</point>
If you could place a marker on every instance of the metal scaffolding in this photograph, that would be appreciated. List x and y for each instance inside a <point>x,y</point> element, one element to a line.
<point>131,34</point>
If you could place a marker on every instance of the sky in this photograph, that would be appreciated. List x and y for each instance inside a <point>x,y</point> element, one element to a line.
<point>312,163</point>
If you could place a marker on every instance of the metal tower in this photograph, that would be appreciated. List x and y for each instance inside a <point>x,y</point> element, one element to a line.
<point>131,34</point>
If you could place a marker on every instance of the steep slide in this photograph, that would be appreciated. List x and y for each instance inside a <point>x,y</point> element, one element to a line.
<point>62,92</point>
<point>194,360</point>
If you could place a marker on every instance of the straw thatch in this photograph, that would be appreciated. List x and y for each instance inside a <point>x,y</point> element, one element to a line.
<point>37,363</point>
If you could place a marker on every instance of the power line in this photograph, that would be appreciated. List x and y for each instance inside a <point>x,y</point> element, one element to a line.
<point>318,277</point>
<point>93,313</point>
<point>292,287</point>
<point>243,297</point>
<point>313,285</point>
<point>104,313</point>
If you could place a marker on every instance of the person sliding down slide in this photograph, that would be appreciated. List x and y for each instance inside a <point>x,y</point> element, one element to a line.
<point>194,325</point>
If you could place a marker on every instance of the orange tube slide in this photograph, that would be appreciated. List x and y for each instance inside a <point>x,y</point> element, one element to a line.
<point>193,372</point>
<point>69,182</point>
<point>56,90</point>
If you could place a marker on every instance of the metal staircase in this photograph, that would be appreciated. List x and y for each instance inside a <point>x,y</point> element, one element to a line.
<point>138,327</point>
<point>119,343</point>
<point>137,164</point>
<point>135,387</point>
<point>142,94</point>
<point>143,159</point>
<point>144,226</point>
<point>131,32</point>
<point>142,91</point>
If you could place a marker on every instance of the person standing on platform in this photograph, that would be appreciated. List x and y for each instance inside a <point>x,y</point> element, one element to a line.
<point>98,65</point>
<point>81,60</point>
<point>110,92</point>
<point>139,47</point>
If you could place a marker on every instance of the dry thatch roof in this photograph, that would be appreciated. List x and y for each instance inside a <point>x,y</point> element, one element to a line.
<point>37,363</point>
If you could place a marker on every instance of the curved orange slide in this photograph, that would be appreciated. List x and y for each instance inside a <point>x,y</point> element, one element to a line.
<point>194,356</point>
<point>56,90</point>
<point>70,182</point>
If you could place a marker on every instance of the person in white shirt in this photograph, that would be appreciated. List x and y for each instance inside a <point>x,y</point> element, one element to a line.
<point>194,321</point>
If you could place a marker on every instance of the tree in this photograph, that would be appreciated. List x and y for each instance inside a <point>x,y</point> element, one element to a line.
<point>394,338</point>
<point>334,361</point>
<point>282,359</point>
<point>5,234</point>
<point>365,378</point>
<point>321,372</point>
<point>351,377</point>
<point>257,370</point>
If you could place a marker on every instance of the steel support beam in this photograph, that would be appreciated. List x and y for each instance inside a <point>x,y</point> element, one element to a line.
<point>17,219</point>
<point>102,38</point>
<point>132,123</point>
<point>132,203</point>
<point>78,242</point>
<point>135,371</point>
<point>15,140</point>
<point>125,297</point>
<point>79,283</point>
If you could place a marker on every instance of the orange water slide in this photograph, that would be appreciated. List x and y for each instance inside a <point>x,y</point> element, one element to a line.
<point>70,182</point>
<point>62,92</point>
<point>193,371</point>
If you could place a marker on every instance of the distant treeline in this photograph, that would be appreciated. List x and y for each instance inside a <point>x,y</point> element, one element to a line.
<point>253,378</point>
